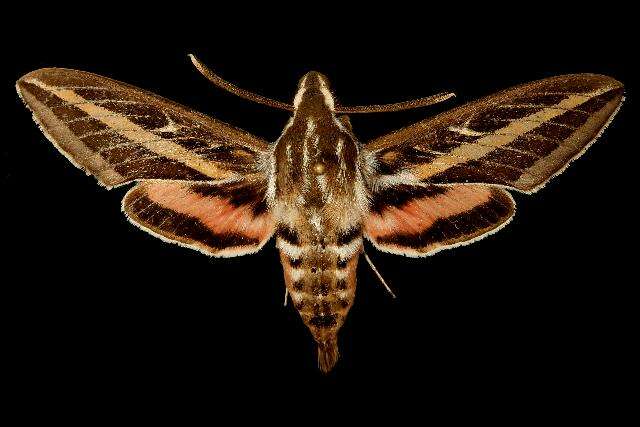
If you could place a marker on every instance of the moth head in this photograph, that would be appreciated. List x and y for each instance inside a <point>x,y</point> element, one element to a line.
<point>313,91</point>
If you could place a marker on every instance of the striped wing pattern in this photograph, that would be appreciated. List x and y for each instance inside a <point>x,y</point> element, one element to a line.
<point>200,184</point>
<point>436,181</point>
<point>224,220</point>
<point>518,138</point>
<point>120,133</point>
<point>421,220</point>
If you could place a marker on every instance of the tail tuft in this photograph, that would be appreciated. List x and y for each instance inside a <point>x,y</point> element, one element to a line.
<point>327,355</point>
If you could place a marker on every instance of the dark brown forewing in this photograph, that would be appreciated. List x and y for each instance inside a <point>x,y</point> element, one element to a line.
<point>120,133</point>
<point>225,220</point>
<point>421,220</point>
<point>520,137</point>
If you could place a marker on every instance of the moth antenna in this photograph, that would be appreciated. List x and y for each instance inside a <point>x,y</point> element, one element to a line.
<point>286,295</point>
<point>375,270</point>
<point>398,106</point>
<point>231,88</point>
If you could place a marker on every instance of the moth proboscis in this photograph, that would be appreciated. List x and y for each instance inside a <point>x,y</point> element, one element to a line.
<point>205,185</point>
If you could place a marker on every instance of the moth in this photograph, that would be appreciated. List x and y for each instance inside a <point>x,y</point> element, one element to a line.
<point>208,186</point>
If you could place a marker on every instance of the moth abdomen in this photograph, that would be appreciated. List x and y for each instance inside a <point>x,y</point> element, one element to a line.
<point>320,275</point>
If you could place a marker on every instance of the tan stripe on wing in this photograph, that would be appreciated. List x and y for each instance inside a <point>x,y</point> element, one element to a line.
<point>69,145</point>
<point>127,128</point>
<point>570,148</point>
<point>489,143</point>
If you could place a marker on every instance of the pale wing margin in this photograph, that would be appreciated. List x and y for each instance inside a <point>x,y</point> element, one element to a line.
<point>120,133</point>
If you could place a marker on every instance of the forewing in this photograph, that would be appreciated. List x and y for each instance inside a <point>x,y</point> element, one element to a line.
<point>228,219</point>
<point>421,220</point>
<point>519,138</point>
<point>120,133</point>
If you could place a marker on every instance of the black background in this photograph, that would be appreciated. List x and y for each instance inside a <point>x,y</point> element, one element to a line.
<point>537,316</point>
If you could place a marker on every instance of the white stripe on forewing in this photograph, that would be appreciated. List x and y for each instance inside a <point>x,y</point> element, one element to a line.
<point>125,127</point>
<point>486,144</point>
<point>464,130</point>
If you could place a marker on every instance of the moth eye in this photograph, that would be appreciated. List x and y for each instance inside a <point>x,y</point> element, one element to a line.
<point>318,168</point>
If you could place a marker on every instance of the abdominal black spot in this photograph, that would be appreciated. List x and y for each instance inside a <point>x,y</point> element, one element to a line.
<point>326,287</point>
<point>298,286</point>
<point>289,235</point>
<point>323,243</point>
<point>342,284</point>
<point>342,263</point>
<point>345,237</point>
<point>295,262</point>
<point>320,289</point>
<point>325,321</point>
<point>316,309</point>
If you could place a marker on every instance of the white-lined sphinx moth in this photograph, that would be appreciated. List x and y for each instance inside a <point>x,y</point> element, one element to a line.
<point>208,186</point>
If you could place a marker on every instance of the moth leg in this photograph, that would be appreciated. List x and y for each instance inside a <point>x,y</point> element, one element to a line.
<point>346,122</point>
<point>286,296</point>
<point>375,270</point>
